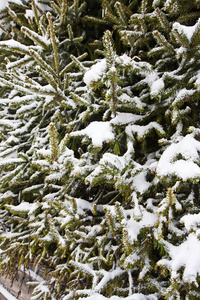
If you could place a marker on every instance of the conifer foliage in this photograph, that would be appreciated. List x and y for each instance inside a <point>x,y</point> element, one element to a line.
<point>99,147</point>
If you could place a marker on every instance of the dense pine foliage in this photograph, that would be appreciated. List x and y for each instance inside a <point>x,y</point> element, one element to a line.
<point>99,147</point>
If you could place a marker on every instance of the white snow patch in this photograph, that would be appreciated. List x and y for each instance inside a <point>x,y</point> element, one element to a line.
<point>140,184</point>
<point>24,207</point>
<point>99,132</point>
<point>124,118</point>
<point>184,167</point>
<point>138,296</point>
<point>6,294</point>
<point>134,226</point>
<point>185,255</point>
<point>182,94</point>
<point>95,72</point>
<point>180,51</point>
<point>157,87</point>
<point>124,59</point>
<point>3,4</point>
<point>29,13</point>
<point>82,205</point>
<point>187,30</point>
<point>118,162</point>
<point>141,131</point>
<point>12,43</point>
<point>151,78</point>
<point>191,222</point>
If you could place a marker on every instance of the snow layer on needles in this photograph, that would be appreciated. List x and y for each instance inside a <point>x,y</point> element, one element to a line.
<point>99,132</point>
<point>132,297</point>
<point>191,222</point>
<point>125,118</point>
<point>156,87</point>
<point>95,72</point>
<point>181,159</point>
<point>3,4</point>
<point>185,255</point>
<point>187,30</point>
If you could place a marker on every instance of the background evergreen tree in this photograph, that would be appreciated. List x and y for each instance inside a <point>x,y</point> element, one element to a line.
<point>100,147</point>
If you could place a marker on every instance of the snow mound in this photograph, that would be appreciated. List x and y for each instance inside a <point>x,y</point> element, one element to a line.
<point>186,30</point>
<point>95,72</point>
<point>181,159</point>
<point>99,132</point>
<point>185,255</point>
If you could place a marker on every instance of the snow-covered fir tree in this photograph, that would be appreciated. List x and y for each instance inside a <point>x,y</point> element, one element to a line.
<point>99,147</point>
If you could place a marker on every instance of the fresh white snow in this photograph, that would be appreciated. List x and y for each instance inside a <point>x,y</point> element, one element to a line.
<point>125,118</point>
<point>156,87</point>
<point>99,132</point>
<point>95,72</point>
<point>181,159</point>
<point>185,255</point>
<point>3,4</point>
<point>6,294</point>
<point>191,222</point>
<point>132,297</point>
<point>187,30</point>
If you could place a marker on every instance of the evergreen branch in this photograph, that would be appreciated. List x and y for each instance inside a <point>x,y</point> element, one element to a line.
<point>53,140</point>
<point>66,81</point>
<point>121,13</point>
<point>126,243</point>
<point>79,99</point>
<point>42,62</point>
<point>11,162</point>
<point>71,64</point>
<point>39,89</point>
<point>54,45</point>
<point>39,40</point>
<point>62,145</point>
<point>111,225</point>
<point>112,18</point>
<point>76,5</point>
<point>2,136</point>
<point>34,8</point>
<point>8,176</point>
<point>14,46</point>
<point>70,32</point>
<point>119,211</point>
<point>196,40</point>
<point>31,24</point>
<point>82,7</point>
<point>59,2</point>
<point>162,40</point>
<point>18,63</point>
<point>56,7</point>
<point>143,7</point>
<point>181,38</point>
<point>64,9</point>
<point>55,232</point>
<point>109,51</point>
<point>142,24</point>
<point>95,20</point>
<point>78,63</point>
<point>17,87</point>
<point>5,31</point>
<point>14,16</point>
<point>127,35</point>
<point>42,25</point>
<point>162,19</point>
<point>50,79</point>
